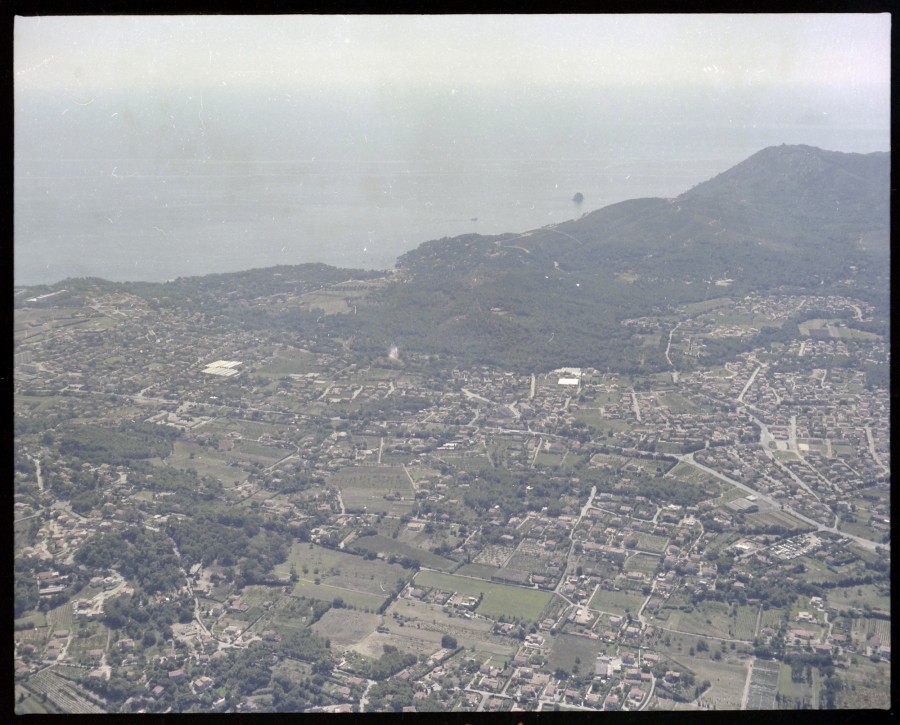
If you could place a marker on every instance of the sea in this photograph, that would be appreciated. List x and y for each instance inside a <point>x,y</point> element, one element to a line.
<point>158,216</point>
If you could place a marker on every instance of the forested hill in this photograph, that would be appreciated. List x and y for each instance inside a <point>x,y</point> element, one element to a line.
<point>789,216</point>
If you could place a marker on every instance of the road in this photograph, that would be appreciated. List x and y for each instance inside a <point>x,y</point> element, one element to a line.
<point>868,437</point>
<point>536,451</point>
<point>562,579</point>
<point>669,347</point>
<point>469,394</point>
<point>749,383</point>
<point>746,694</point>
<point>362,699</point>
<point>40,479</point>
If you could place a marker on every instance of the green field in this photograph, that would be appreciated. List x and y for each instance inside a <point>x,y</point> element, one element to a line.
<point>644,563</point>
<point>691,474</point>
<point>357,581</point>
<point>326,592</point>
<point>868,685</point>
<point>860,528</point>
<point>677,403</point>
<point>330,302</point>
<point>206,462</point>
<point>345,627</point>
<point>708,618</point>
<point>291,360</point>
<point>481,571</point>
<point>797,690</point>
<point>772,618</point>
<point>606,459</point>
<point>776,518</point>
<point>726,681</point>
<point>387,545</point>
<point>617,602</point>
<point>498,598</point>
<point>744,623</point>
<point>367,486</point>
<point>37,619</point>
<point>567,648</point>
<point>419,626</point>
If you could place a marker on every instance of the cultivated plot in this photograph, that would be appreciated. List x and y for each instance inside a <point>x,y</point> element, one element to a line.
<point>327,574</point>
<point>763,685</point>
<point>499,599</point>
<point>376,488</point>
<point>345,627</point>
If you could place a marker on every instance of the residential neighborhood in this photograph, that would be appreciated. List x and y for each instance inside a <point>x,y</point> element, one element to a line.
<point>446,539</point>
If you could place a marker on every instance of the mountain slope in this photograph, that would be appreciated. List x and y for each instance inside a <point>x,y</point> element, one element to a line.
<point>789,216</point>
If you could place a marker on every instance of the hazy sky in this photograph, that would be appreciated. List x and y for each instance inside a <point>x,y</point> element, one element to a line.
<point>87,54</point>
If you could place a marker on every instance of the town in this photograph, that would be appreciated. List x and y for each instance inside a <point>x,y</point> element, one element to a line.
<point>220,518</point>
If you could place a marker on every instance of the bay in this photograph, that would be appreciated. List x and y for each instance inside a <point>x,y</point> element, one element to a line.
<point>156,219</point>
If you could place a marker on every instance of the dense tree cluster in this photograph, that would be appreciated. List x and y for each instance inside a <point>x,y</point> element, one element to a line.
<point>117,446</point>
<point>230,537</point>
<point>142,555</point>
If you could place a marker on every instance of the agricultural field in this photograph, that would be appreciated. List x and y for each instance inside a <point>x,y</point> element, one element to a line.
<point>569,650</point>
<point>860,528</point>
<point>367,486</point>
<point>772,618</point>
<point>678,404</point>
<point>206,462</point>
<point>691,474</point>
<point>256,452</point>
<point>555,460</point>
<point>95,636</point>
<point>863,628</point>
<point>644,563</point>
<point>37,619</point>
<point>799,691</point>
<point>327,574</point>
<point>479,571</point>
<point>617,602</point>
<point>288,361</point>
<point>868,685</point>
<point>386,545</point>
<point>28,704</point>
<point>858,596</point>
<point>763,685</point>
<point>744,622</point>
<point>329,302</point>
<point>417,627</point>
<point>499,599</point>
<point>287,615</point>
<point>61,617</point>
<point>774,517</point>
<point>345,627</point>
<point>531,558</point>
<point>707,618</point>
<point>63,694</point>
<point>594,418</point>
<point>726,681</point>
<point>611,460</point>
<point>493,555</point>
